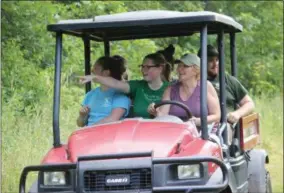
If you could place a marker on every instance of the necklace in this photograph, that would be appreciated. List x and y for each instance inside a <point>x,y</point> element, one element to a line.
<point>155,87</point>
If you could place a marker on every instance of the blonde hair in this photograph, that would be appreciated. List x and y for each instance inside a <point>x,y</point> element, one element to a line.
<point>197,70</point>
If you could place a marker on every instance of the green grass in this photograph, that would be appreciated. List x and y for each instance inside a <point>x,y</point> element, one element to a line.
<point>271,124</point>
<point>26,139</point>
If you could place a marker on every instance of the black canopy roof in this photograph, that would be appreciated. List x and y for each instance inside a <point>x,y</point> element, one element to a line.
<point>146,24</point>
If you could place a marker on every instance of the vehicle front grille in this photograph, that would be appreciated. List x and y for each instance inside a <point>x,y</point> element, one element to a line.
<point>140,179</point>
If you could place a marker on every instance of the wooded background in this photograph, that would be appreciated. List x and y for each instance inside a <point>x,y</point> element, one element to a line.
<point>28,48</point>
<point>27,64</point>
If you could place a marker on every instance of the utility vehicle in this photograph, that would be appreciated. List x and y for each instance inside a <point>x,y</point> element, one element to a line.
<point>152,155</point>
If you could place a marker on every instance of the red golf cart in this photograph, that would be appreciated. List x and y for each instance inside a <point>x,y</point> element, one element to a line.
<point>152,155</point>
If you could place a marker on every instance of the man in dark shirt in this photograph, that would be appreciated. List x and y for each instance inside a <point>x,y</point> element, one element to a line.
<point>235,91</point>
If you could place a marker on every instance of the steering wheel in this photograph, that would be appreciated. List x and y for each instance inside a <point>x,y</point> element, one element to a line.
<point>181,105</point>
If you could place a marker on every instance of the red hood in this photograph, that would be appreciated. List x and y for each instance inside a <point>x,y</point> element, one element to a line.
<point>129,136</point>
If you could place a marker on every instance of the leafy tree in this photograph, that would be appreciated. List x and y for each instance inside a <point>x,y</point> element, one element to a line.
<point>260,46</point>
<point>28,49</point>
<point>27,58</point>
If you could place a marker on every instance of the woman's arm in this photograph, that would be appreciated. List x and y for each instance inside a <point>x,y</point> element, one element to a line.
<point>214,112</point>
<point>120,107</point>
<point>163,110</point>
<point>107,81</point>
<point>116,115</point>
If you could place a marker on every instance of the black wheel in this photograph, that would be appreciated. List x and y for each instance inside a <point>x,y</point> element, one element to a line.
<point>268,187</point>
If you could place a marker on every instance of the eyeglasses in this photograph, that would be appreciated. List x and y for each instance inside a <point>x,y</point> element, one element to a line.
<point>147,67</point>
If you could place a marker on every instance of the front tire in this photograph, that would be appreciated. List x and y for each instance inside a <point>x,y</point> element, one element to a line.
<point>257,173</point>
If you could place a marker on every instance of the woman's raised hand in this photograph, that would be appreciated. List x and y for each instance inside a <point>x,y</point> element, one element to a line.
<point>85,79</point>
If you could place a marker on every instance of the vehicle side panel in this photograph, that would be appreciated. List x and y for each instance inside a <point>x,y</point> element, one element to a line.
<point>56,155</point>
<point>200,147</point>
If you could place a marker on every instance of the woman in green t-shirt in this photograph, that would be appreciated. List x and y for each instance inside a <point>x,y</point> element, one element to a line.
<point>155,70</point>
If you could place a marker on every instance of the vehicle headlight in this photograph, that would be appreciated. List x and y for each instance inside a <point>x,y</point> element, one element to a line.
<point>54,178</point>
<point>188,171</point>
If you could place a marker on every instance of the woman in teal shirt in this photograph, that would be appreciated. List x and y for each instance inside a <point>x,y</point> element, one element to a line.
<point>104,104</point>
<point>155,70</point>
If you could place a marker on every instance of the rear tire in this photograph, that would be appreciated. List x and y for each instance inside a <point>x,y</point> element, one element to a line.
<point>268,186</point>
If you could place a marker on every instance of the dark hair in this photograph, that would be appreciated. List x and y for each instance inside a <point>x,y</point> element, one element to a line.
<point>159,60</point>
<point>168,53</point>
<point>211,51</point>
<point>123,65</point>
<point>115,64</point>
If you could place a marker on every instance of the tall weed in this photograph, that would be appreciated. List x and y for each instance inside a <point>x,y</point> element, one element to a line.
<point>27,138</point>
<point>271,125</point>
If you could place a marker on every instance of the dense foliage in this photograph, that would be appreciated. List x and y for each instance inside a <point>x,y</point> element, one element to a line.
<point>27,64</point>
<point>28,49</point>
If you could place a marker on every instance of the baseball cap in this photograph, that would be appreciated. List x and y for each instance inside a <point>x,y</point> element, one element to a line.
<point>211,51</point>
<point>189,59</point>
